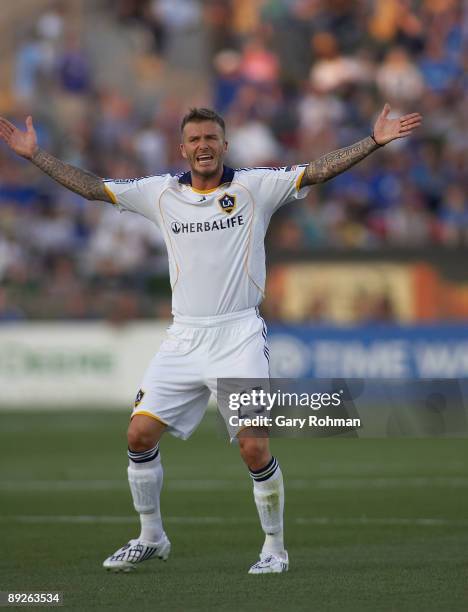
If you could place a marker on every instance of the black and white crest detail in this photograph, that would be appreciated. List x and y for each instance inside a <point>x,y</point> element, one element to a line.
<point>227,203</point>
<point>139,396</point>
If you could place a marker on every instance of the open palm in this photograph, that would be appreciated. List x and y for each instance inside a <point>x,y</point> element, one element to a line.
<point>22,143</point>
<point>386,129</point>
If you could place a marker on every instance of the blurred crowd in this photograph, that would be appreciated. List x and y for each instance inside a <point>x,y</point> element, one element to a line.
<point>294,79</point>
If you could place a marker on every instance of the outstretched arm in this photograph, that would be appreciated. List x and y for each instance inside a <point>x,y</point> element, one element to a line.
<point>336,162</point>
<point>24,144</point>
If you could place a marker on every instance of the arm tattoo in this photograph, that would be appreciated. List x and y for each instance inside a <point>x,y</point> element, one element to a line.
<point>81,182</point>
<point>334,163</point>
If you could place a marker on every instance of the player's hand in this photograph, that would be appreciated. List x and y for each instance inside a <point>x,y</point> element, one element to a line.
<point>22,143</point>
<point>386,129</point>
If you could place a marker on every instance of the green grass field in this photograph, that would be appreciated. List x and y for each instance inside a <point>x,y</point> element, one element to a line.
<point>370,524</point>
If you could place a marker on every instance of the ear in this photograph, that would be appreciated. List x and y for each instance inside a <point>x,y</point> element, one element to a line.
<point>182,151</point>
<point>226,144</point>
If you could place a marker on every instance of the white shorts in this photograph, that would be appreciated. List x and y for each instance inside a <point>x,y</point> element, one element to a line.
<point>197,352</point>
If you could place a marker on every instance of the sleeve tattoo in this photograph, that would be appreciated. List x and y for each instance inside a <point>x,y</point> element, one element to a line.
<point>332,164</point>
<point>80,181</point>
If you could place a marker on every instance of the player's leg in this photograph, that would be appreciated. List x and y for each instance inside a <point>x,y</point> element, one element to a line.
<point>145,474</point>
<point>172,398</point>
<point>145,477</point>
<point>268,493</point>
<point>244,355</point>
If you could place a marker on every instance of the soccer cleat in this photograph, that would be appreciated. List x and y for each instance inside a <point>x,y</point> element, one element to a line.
<point>271,563</point>
<point>136,551</point>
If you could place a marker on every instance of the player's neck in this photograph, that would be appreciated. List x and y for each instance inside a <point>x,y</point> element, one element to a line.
<point>205,183</point>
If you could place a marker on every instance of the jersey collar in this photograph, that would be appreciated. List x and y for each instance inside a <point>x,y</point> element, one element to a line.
<point>227,177</point>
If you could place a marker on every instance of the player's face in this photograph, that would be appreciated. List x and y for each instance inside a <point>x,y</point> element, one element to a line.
<point>203,146</point>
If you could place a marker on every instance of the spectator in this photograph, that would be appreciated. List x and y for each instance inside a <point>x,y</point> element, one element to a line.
<point>33,67</point>
<point>399,79</point>
<point>439,70</point>
<point>227,79</point>
<point>333,70</point>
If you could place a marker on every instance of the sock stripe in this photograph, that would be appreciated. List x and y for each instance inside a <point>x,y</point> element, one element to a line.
<point>143,456</point>
<point>266,467</point>
<point>267,476</point>
<point>263,469</point>
<point>266,472</point>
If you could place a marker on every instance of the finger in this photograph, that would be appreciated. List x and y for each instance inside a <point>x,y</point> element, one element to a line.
<point>410,122</point>
<point>410,125</point>
<point>405,134</point>
<point>5,131</point>
<point>386,110</point>
<point>5,138</point>
<point>7,125</point>
<point>29,124</point>
<point>5,128</point>
<point>411,116</point>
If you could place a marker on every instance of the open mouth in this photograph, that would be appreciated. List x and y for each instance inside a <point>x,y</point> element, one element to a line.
<point>205,159</point>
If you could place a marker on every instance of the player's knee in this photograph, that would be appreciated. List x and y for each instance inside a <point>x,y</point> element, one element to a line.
<point>139,439</point>
<point>255,452</point>
<point>144,433</point>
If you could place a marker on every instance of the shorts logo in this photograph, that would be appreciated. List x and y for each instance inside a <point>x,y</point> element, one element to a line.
<point>176,227</point>
<point>139,396</point>
<point>227,203</point>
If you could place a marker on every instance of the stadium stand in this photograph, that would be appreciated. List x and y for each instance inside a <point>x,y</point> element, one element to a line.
<point>108,81</point>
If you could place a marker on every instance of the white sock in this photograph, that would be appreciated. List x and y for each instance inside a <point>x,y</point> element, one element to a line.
<point>145,477</point>
<point>269,498</point>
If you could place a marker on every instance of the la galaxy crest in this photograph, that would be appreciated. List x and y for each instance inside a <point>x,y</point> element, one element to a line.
<point>139,397</point>
<point>227,202</point>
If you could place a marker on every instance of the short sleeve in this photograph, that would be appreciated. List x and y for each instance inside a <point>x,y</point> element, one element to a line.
<point>139,195</point>
<point>275,187</point>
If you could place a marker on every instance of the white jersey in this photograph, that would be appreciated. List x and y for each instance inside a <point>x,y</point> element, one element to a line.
<point>215,238</point>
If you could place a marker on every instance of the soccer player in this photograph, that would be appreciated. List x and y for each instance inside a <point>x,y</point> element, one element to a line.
<point>213,220</point>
